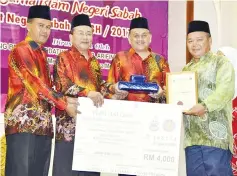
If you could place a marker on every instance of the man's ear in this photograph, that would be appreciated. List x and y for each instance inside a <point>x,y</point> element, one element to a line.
<point>129,38</point>
<point>210,41</point>
<point>150,38</point>
<point>28,26</point>
<point>70,38</point>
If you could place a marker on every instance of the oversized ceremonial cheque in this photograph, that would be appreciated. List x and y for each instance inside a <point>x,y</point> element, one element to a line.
<point>128,137</point>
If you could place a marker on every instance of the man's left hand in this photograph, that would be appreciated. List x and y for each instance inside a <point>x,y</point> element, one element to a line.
<point>197,110</point>
<point>158,94</point>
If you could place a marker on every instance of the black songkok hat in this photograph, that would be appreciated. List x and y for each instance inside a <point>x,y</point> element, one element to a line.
<point>139,22</point>
<point>198,26</point>
<point>39,11</point>
<point>80,20</point>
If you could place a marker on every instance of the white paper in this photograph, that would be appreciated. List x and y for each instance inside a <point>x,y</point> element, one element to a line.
<point>128,137</point>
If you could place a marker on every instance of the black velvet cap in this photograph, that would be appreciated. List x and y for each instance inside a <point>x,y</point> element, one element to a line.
<point>198,26</point>
<point>139,22</point>
<point>80,20</point>
<point>39,12</point>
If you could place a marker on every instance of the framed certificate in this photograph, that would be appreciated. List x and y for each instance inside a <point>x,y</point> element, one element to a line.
<point>181,89</point>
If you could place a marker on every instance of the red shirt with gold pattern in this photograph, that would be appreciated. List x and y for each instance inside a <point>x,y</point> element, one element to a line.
<point>30,95</point>
<point>127,63</point>
<point>75,76</point>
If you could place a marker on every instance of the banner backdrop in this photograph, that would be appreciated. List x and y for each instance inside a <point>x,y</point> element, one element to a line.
<point>110,20</point>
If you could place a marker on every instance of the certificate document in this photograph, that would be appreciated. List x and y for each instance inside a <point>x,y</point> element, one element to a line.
<point>128,137</point>
<point>182,89</point>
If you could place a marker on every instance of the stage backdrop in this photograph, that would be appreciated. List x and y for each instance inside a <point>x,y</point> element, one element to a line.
<point>110,19</point>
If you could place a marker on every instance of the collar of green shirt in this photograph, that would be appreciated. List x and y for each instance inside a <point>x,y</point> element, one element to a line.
<point>206,56</point>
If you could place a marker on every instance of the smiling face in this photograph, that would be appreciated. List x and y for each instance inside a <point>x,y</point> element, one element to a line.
<point>198,43</point>
<point>81,37</point>
<point>39,30</point>
<point>140,39</point>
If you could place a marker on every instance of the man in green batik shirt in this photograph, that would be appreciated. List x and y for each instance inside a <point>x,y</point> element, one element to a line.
<point>208,130</point>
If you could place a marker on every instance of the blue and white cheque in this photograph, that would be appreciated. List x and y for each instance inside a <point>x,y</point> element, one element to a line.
<point>128,137</point>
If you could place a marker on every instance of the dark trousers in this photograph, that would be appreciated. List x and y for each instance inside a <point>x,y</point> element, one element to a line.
<point>63,155</point>
<point>27,155</point>
<point>208,161</point>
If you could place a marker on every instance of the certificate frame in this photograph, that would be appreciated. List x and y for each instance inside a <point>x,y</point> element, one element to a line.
<point>175,95</point>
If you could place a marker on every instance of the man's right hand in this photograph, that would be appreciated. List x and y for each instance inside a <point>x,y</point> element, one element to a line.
<point>97,98</point>
<point>71,108</point>
<point>119,94</point>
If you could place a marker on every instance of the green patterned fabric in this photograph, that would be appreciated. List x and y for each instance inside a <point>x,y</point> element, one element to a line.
<point>216,83</point>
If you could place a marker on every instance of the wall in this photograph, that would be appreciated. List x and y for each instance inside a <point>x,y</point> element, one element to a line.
<point>228,35</point>
<point>177,35</point>
<point>206,10</point>
<point>221,17</point>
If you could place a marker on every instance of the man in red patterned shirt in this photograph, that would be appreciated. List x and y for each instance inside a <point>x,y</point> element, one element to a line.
<point>28,120</point>
<point>77,74</point>
<point>139,60</point>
